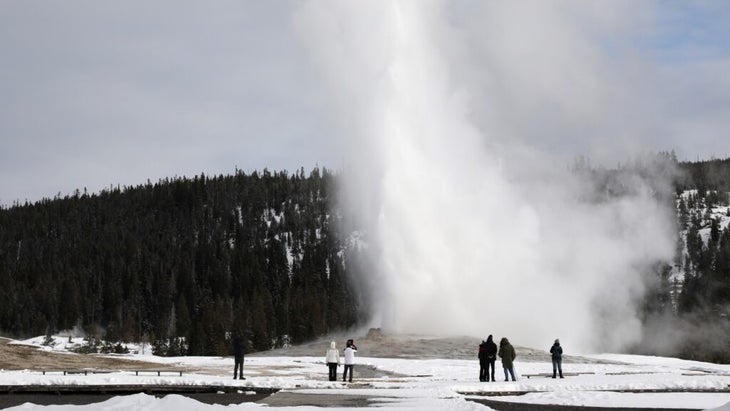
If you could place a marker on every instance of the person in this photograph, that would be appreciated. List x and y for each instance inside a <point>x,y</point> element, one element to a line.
<point>556,351</point>
<point>491,354</point>
<point>350,351</point>
<point>333,360</point>
<point>482,361</point>
<point>238,352</point>
<point>507,354</point>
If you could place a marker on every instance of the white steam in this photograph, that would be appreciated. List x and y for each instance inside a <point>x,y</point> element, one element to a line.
<point>477,230</point>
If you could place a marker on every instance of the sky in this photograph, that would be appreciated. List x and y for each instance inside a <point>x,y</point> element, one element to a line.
<point>94,94</point>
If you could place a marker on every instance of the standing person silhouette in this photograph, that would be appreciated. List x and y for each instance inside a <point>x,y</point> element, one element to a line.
<point>490,351</point>
<point>556,352</point>
<point>507,354</point>
<point>332,357</point>
<point>238,352</point>
<point>350,351</point>
<point>482,362</point>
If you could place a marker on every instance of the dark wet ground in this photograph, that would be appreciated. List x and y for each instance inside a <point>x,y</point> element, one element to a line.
<point>288,399</point>
<point>511,406</point>
<point>12,400</point>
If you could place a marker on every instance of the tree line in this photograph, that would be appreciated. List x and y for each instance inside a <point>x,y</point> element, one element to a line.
<point>702,297</point>
<point>182,263</point>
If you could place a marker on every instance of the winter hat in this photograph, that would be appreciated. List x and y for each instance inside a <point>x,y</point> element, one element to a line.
<point>557,341</point>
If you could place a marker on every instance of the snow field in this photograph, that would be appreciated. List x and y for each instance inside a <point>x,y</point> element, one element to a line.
<point>420,384</point>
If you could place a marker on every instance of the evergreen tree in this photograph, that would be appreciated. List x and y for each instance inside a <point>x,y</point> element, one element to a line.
<point>184,262</point>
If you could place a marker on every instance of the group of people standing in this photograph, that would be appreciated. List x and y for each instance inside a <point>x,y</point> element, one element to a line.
<point>332,357</point>
<point>488,354</point>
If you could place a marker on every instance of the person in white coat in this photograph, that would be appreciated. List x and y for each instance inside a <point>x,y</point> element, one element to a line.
<point>332,357</point>
<point>350,351</point>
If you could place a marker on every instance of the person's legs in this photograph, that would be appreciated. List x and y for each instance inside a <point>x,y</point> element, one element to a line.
<point>333,371</point>
<point>560,367</point>
<point>506,377</point>
<point>352,368</point>
<point>490,364</point>
<point>512,373</point>
<point>555,367</point>
<point>344,374</point>
<point>482,370</point>
<point>236,365</point>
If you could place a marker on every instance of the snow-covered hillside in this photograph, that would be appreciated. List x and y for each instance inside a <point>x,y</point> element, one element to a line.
<point>690,203</point>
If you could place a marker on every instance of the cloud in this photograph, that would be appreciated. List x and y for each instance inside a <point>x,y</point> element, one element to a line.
<point>96,94</point>
<point>118,92</point>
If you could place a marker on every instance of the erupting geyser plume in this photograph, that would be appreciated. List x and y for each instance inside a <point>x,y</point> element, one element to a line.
<point>476,230</point>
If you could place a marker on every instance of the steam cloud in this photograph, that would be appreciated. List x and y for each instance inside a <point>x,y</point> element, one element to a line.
<point>455,116</point>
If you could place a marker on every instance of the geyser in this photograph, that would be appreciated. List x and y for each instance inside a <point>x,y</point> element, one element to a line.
<point>475,231</point>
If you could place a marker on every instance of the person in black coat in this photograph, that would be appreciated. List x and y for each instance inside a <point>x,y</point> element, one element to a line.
<point>482,361</point>
<point>238,352</point>
<point>556,351</point>
<point>490,349</point>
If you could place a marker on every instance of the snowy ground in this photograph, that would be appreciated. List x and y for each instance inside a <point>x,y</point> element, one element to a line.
<point>408,383</point>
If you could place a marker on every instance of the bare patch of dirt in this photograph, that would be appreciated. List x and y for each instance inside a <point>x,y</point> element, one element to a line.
<point>25,357</point>
<point>375,343</point>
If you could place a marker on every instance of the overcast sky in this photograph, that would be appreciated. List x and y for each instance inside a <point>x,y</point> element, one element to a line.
<point>95,93</point>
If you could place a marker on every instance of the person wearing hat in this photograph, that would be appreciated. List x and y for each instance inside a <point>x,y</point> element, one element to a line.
<point>556,351</point>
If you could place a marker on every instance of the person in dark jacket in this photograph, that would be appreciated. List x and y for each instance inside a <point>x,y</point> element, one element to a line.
<point>482,361</point>
<point>238,352</point>
<point>507,354</point>
<point>491,354</point>
<point>556,351</point>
